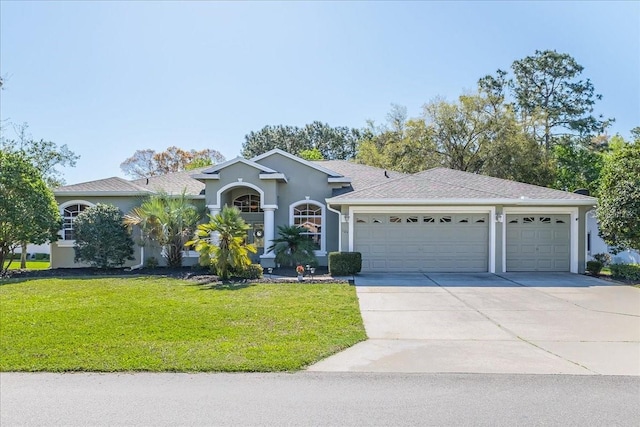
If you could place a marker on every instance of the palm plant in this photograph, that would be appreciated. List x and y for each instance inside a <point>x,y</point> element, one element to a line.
<point>222,242</point>
<point>167,220</point>
<point>293,247</point>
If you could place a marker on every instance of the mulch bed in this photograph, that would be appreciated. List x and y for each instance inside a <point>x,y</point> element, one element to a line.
<point>198,275</point>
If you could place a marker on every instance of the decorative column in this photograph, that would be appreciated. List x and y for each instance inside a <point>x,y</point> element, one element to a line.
<point>269,231</point>
<point>213,211</point>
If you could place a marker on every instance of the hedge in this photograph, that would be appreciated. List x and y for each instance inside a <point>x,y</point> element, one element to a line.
<point>345,263</point>
<point>625,271</point>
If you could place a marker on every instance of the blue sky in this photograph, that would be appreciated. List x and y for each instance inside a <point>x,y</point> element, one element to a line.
<point>109,78</point>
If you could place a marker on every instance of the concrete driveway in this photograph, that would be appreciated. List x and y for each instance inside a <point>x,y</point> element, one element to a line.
<point>530,323</point>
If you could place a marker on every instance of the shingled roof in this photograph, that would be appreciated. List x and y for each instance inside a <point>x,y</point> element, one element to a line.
<point>171,183</point>
<point>102,186</point>
<point>362,176</point>
<point>175,182</point>
<point>447,185</point>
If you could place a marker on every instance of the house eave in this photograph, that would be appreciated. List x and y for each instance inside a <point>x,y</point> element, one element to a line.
<point>205,176</point>
<point>339,180</point>
<point>277,176</point>
<point>115,194</point>
<point>433,202</point>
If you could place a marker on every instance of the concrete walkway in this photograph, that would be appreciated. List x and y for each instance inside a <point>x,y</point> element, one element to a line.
<point>542,323</point>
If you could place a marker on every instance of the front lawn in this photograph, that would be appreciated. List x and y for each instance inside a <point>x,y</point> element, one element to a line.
<point>164,324</point>
<point>31,265</point>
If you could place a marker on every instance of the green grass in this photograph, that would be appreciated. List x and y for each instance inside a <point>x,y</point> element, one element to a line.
<point>163,324</point>
<point>31,265</point>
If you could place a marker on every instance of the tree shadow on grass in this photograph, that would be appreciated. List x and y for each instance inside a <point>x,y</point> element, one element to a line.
<point>224,286</point>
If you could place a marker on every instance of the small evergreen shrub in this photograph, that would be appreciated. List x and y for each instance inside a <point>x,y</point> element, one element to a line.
<point>250,272</point>
<point>594,267</point>
<point>102,239</point>
<point>604,258</point>
<point>151,262</point>
<point>625,271</point>
<point>345,263</point>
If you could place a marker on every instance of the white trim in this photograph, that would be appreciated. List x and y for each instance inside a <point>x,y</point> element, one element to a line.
<point>573,229</point>
<point>61,207</point>
<point>103,193</point>
<point>323,231</point>
<point>465,202</point>
<point>492,240</point>
<point>238,184</point>
<point>297,159</point>
<point>200,176</point>
<point>339,226</point>
<point>419,209</point>
<point>338,179</point>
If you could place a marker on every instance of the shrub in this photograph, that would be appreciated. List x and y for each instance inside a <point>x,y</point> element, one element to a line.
<point>345,263</point>
<point>604,258</point>
<point>250,272</point>
<point>41,257</point>
<point>625,271</point>
<point>151,262</point>
<point>594,267</point>
<point>102,240</point>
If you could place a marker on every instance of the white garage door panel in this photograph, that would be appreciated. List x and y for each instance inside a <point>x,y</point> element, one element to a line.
<point>538,242</point>
<point>422,242</point>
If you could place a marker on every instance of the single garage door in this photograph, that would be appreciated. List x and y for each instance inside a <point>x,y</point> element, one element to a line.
<point>538,242</point>
<point>422,242</point>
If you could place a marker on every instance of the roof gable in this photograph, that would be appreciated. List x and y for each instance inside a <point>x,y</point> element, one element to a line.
<point>217,168</point>
<point>277,151</point>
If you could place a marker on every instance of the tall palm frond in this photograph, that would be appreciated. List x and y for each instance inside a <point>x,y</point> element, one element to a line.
<point>222,242</point>
<point>168,221</point>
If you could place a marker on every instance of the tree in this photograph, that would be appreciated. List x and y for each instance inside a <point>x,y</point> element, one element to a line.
<point>406,147</point>
<point>293,246</point>
<point>618,209</point>
<point>577,166</point>
<point>462,131</point>
<point>168,221</point>
<point>46,156</point>
<point>549,96</point>
<point>312,154</point>
<point>146,163</point>
<point>28,210</point>
<point>332,142</point>
<point>228,251</point>
<point>102,239</point>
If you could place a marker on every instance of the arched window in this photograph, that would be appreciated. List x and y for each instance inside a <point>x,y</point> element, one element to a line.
<point>70,211</point>
<point>310,215</point>
<point>248,203</point>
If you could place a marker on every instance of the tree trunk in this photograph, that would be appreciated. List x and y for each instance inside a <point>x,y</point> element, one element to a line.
<point>23,256</point>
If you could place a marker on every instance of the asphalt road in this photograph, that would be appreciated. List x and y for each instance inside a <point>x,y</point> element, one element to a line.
<point>318,399</point>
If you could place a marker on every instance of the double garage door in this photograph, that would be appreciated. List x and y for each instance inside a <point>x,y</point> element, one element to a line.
<point>454,242</point>
<point>423,242</point>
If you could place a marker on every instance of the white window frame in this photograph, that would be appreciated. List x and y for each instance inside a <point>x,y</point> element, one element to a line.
<point>323,225</point>
<point>258,196</point>
<point>69,243</point>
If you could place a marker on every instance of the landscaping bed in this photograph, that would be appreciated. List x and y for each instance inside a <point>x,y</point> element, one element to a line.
<point>196,274</point>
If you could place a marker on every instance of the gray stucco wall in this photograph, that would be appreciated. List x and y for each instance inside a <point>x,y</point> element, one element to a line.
<point>62,252</point>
